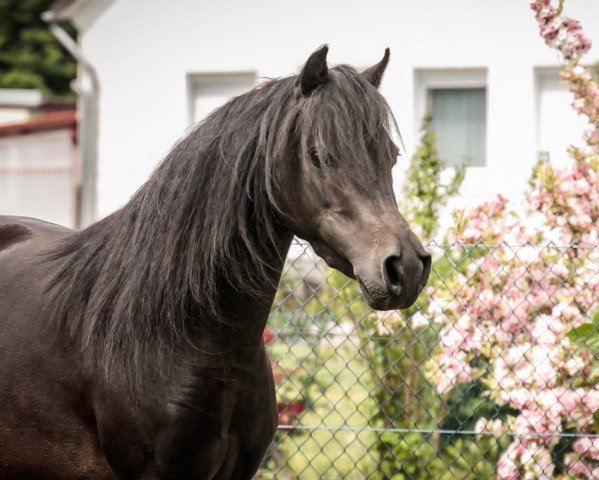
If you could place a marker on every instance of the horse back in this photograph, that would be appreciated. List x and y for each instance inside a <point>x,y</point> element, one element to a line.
<point>23,242</point>
<point>16,230</point>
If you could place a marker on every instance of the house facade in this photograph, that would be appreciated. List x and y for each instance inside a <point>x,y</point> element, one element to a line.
<point>39,165</point>
<point>479,67</point>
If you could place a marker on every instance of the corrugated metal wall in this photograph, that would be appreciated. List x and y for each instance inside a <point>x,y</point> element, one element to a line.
<point>39,176</point>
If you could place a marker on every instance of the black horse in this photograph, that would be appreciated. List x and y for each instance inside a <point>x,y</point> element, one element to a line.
<point>133,348</point>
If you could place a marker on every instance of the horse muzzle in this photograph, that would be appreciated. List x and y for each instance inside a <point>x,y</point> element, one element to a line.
<point>397,279</point>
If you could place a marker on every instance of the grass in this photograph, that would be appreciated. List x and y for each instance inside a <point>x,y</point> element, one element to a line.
<point>334,384</point>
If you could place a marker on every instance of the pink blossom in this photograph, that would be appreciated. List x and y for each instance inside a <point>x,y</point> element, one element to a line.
<point>569,400</point>
<point>418,321</point>
<point>577,467</point>
<point>561,33</point>
<point>480,425</point>
<point>542,332</point>
<point>507,468</point>
<point>574,366</point>
<point>513,307</point>
<point>587,447</point>
<point>521,398</point>
<point>591,400</point>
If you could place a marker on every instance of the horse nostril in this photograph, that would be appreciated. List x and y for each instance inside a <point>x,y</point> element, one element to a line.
<point>426,269</point>
<point>394,271</point>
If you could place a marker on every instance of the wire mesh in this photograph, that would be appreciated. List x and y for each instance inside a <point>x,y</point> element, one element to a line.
<point>493,372</point>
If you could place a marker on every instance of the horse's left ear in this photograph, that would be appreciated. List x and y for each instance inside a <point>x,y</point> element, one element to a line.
<point>375,73</point>
<point>315,71</point>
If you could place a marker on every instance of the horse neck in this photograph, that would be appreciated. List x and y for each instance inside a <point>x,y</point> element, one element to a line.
<point>196,253</point>
<point>246,313</point>
<point>239,307</point>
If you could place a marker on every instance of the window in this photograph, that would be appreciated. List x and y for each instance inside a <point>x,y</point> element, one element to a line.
<point>457,101</point>
<point>211,90</point>
<point>459,123</point>
<point>558,125</point>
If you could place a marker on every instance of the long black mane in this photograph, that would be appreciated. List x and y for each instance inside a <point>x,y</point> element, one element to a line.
<point>131,287</point>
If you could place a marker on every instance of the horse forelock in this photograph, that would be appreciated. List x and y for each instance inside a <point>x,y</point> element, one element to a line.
<point>130,289</point>
<point>350,121</point>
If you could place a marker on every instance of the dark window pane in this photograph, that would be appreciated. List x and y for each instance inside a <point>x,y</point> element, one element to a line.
<point>459,122</point>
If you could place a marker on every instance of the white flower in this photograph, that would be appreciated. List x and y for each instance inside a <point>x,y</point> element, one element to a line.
<point>418,321</point>
<point>574,366</point>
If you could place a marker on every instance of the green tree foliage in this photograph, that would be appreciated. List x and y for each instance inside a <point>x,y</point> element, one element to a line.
<point>30,56</point>
<point>424,192</point>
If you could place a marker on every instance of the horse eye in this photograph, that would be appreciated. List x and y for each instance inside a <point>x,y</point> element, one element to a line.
<point>317,161</point>
<point>315,158</point>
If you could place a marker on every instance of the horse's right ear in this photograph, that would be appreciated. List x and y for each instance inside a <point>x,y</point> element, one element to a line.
<point>315,71</point>
<point>375,73</point>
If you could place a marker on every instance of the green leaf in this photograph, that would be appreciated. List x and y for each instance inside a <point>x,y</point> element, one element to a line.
<point>586,335</point>
<point>390,437</point>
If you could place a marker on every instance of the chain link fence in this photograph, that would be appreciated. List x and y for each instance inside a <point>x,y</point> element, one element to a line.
<point>493,372</point>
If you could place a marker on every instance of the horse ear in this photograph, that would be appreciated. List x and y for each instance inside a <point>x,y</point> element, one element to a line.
<point>315,71</point>
<point>375,73</point>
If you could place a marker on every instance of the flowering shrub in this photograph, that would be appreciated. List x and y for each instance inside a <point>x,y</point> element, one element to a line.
<point>507,314</point>
<point>505,326</point>
<point>561,33</point>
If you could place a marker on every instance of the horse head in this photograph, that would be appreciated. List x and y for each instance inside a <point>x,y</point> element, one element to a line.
<point>338,190</point>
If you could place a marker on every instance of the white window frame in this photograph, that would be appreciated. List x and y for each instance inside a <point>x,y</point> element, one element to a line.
<point>426,79</point>
<point>197,79</point>
<point>541,73</point>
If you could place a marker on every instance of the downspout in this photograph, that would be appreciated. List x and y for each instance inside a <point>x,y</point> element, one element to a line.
<point>87,88</point>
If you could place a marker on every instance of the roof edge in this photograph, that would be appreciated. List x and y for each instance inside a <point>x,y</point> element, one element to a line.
<point>51,121</point>
<point>63,10</point>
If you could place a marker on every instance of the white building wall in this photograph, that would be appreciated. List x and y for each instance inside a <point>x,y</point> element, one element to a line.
<point>145,51</point>
<point>13,115</point>
<point>39,176</point>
